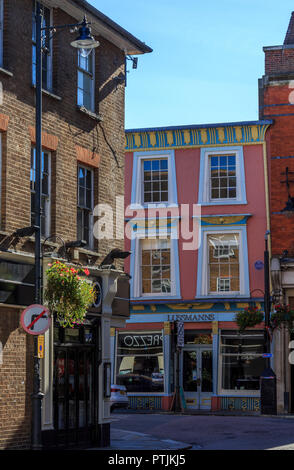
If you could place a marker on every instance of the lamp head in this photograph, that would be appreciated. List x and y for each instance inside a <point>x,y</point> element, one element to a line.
<point>85,41</point>
<point>289,208</point>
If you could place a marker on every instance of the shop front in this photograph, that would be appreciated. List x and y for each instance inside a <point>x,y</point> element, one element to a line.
<point>218,368</point>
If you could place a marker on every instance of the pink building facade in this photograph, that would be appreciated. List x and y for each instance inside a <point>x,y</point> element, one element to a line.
<point>196,214</point>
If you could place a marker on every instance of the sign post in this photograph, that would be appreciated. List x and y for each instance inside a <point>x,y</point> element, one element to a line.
<point>36,319</point>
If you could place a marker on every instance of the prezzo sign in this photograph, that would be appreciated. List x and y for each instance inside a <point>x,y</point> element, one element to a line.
<point>192,317</point>
<point>141,341</point>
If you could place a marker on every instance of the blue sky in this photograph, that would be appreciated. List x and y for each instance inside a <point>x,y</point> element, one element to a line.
<point>206,60</point>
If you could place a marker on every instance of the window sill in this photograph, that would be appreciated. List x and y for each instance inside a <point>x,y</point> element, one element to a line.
<point>153,298</point>
<point>223,202</point>
<point>49,93</point>
<point>226,295</point>
<point>91,114</point>
<point>6,72</point>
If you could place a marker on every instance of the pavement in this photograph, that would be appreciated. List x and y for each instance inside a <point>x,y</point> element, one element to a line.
<point>131,440</point>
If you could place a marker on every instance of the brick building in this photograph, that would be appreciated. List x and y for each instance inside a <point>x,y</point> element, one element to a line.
<point>82,165</point>
<point>276,103</point>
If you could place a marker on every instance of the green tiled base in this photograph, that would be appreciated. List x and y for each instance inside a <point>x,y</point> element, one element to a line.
<point>240,403</point>
<point>145,403</point>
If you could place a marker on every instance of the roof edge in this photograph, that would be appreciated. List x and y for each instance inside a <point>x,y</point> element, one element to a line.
<point>201,126</point>
<point>144,48</point>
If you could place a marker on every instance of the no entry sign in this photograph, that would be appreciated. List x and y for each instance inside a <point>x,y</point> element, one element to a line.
<point>35,319</point>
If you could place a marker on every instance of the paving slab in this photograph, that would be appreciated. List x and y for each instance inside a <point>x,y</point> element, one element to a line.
<point>131,440</point>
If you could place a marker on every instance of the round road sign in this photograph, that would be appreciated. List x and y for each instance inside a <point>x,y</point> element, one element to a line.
<point>35,319</point>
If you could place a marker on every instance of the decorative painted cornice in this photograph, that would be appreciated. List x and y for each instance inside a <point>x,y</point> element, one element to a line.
<point>224,219</point>
<point>196,136</point>
<point>187,308</point>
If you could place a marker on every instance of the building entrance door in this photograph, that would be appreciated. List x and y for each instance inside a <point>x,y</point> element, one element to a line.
<point>75,386</point>
<point>197,378</point>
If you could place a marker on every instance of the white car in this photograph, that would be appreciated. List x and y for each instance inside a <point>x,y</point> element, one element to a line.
<point>119,397</point>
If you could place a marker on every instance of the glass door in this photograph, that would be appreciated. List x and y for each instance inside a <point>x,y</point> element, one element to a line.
<point>196,375</point>
<point>73,394</point>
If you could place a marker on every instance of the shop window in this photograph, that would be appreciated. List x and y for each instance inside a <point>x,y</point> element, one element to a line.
<point>198,337</point>
<point>241,360</point>
<point>140,364</point>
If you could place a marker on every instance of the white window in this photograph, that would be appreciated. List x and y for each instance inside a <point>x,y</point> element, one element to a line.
<point>154,179</point>
<point>222,176</point>
<point>86,81</point>
<point>1,31</point>
<point>45,191</point>
<point>223,264</point>
<point>85,205</point>
<point>46,49</point>
<point>155,267</point>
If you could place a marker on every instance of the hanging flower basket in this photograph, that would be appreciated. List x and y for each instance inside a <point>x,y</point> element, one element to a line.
<point>282,316</point>
<point>249,317</point>
<point>67,294</point>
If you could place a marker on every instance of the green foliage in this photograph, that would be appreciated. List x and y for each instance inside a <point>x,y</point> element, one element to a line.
<point>283,316</point>
<point>67,294</point>
<point>249,317</point>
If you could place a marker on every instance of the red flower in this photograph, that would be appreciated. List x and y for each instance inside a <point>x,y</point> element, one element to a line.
<point>87,272</point>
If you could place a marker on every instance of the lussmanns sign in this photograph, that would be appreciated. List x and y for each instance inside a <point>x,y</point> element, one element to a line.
<point>191,317</point>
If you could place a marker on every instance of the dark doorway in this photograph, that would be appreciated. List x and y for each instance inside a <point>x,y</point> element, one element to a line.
<point>75,386</point>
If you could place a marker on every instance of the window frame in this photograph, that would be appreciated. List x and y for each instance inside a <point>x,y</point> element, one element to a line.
<point>49,55</point>
<point>137,198</point>
<point>204,197</point>
<point>92,77</point>
<point>90,242</point>
<point>164,357</point>
<point>135,266</point>
<point>47,208</point>
<point>202,290</point>
<point>151,181</point>
<point>172,280</point>
<point>222,391</point>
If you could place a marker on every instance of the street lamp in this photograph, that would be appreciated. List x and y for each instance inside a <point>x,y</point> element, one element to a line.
<point>85,42</point>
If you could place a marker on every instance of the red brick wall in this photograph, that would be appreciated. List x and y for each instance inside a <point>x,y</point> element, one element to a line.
<point>280,154</point>
<point>279,60</point>
<point>16,369</point>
